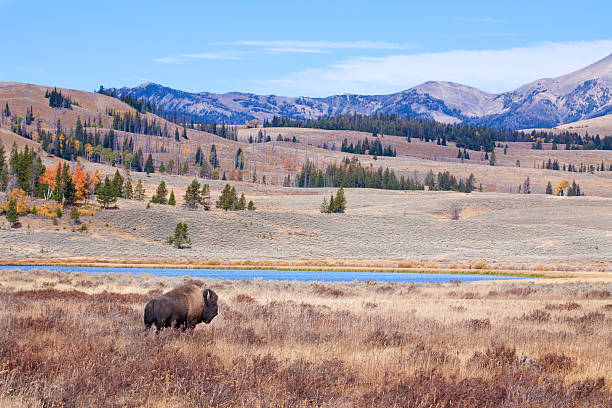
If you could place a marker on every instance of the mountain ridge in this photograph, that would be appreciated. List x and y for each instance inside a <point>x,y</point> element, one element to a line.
<point>546,102</point>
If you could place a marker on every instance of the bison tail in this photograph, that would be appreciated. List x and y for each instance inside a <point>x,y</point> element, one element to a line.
<point>149,314</point>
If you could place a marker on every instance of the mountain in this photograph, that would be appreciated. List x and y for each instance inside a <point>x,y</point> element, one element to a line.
<point>547,102</point>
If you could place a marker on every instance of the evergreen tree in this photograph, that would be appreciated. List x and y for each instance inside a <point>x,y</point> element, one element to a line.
<point>181,237</point>
<point>105,194</point>
<point>549,189</point>
<point>117,184</point>
<point>139,191</point>
<point>192,196</point>
<point>176,135</point>
<point>251,206</point>
<point>213,159</point>
<point>228,199</point>
<point>128,190</point>
<point>493,160</point>
<point>149,168</point>
<point>69,188</point>
<point>11,213</point>
<point>339,203</point>
<point>160,194</point>
<point>241,203</point>
<point>172,200</point>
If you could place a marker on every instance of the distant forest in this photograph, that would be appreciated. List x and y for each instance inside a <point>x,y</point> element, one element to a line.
<point>465,136</point>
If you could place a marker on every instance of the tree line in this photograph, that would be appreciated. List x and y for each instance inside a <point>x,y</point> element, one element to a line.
<point>365,147</point>
<point>350,173</point>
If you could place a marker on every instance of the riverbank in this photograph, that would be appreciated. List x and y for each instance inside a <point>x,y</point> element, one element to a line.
<point>527,270</point>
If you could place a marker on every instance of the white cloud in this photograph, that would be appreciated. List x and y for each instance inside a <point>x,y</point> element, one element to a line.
<point>214,56</point>
<point>324,45</point>
<point>168,60</point>
<point>490,70</point>
<point>294,50</point>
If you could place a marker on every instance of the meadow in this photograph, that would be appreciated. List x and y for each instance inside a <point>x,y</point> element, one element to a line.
<point>76,339</point>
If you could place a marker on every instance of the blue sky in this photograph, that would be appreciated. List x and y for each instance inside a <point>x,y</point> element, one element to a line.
<point>312,48</point>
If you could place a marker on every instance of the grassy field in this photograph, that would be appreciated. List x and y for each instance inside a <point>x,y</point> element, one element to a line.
<point>380,229</point>
<point>76,339</point>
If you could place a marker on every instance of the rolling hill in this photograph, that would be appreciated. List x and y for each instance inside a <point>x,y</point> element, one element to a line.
<point>547,102</point>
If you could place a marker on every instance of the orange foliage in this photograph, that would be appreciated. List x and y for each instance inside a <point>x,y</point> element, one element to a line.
<point>80,180</point>
<point>49,177</point>
<point>19,196</point>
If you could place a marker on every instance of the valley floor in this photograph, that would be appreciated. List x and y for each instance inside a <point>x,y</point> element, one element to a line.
<point>381,229</point>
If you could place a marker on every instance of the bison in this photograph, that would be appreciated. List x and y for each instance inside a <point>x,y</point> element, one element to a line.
<point>182,307</point>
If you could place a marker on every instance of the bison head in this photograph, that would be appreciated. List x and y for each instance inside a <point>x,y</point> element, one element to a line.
<point>211,309</point>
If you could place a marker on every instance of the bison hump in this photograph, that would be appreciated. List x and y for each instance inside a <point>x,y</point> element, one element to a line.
<point>194,298</point>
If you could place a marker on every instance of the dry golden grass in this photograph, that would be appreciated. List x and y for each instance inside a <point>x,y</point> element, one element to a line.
<point>76,339</point>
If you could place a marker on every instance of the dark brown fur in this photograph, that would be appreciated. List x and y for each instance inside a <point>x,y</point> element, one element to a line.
<point>183,307</point>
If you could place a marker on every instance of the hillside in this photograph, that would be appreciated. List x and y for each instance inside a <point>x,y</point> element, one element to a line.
<point>277,159</point>
<point>601,125</point>
<point>546,102</point>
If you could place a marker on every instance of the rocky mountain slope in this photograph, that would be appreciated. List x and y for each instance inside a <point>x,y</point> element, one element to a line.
<point>547,102</point>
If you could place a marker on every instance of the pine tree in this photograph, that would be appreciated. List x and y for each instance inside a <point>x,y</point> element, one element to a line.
<point>149,168</point>
<point>117,184</point>
<point>549,189</point>
<point>241,203</point>
<point>11,213</point>
<point>69,188</point>
<point>181,237</point>
<point>493,160</point>
<point>172,200</point>
<point>228,199</point>
<point>192,196</point>
<point>128,190</point>
<point>160,194</point>
<point>105,194</point>
<point>213,159</point>
<point>339,201</point>
<point>176,135</point>
<point>251,206</point>
<point>139,191</point>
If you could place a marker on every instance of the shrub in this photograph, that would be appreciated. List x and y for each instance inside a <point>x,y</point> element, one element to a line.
<point>552,362</point>
<point>537,316</point>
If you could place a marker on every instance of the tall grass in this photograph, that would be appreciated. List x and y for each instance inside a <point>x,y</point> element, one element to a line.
<point>78,340</point>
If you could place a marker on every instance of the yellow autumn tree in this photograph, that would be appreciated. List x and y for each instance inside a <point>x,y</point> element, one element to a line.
<point>561,186</point>
<point>19,196</point>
